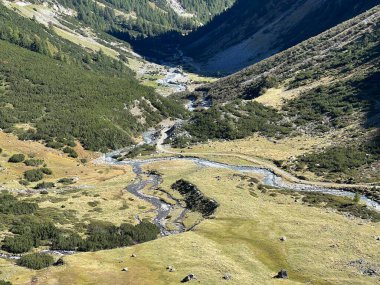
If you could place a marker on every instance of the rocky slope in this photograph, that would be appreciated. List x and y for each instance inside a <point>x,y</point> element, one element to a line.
<point>254,30</point>
<point>324,87</point>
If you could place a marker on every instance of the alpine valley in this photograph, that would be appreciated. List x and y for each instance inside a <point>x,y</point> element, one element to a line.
<point>189,141</point>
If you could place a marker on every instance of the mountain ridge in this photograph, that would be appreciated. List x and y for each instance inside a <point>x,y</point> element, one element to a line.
<point>236,39</point>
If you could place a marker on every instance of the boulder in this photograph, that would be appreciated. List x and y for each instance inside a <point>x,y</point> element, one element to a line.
<point>227,276</point>
<point>133,255</point>
<point>170,268</point>
<point>125,269</point>
<point>188,278</point>
<point>59,262</point>
<point>283,274</point>
<point>370,272</point>
<point>283,238</point>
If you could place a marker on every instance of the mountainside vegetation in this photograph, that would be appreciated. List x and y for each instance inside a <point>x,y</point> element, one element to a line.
<point>336,76</point>
<point>250,31</point>
<point>253,30</point>
<point>142,18</point>
<point>66,93</point>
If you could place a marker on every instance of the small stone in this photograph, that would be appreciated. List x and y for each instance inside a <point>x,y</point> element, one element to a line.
<point>283,238</point>
<point>170,268</point>
<point>125,269</point>
<point>377,238</point>
<point>227,276</point>
<point>188,278</point>
<point>133,255</point>
<point>283,274</point>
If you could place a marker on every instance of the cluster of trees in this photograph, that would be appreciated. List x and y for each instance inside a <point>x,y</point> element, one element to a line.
<point>35,37</point>
<point>31,227</point>
<point>65,101</point>
<point>102,235</point>
<point>99,235</point>
<point>234,121</point>
<point>337,103</point>
<point>337,160</point>
<point>206,10</point>
<point>11,205</point>
<point>149,19</point>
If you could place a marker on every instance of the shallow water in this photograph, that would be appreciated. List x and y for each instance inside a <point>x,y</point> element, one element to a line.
<point>270,178</point>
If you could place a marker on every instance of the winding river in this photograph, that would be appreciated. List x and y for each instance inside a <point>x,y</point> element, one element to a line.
<point>163,209</point>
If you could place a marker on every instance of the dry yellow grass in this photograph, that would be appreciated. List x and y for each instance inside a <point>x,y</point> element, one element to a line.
<point>277,97</point>
<point>243,240</point>
<point>61,165</point>
<point>101,183</point>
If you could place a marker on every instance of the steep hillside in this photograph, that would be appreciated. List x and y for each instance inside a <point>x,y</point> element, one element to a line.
<point>253,30</point>
<point>59,92</point>
<point>324,87</point>
<point>141,18</point>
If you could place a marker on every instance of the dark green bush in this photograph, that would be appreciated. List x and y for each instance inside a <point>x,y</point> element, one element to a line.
<point>55,145</point>
<point>35,261</point>
<point>33,162</point>
<point>16,158</point>
<point>45,185</point>
<point>24,182</point>
<point>10,205</point>
<point>66,181</point>
<point>33,175</point>
<point>67,241</point>
<point>18,244</point>
<point>71,152</point>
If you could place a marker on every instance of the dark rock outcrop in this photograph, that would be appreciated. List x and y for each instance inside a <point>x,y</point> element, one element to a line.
<point>188,278</point>
<point>59,262</point>
<point>283,274</point>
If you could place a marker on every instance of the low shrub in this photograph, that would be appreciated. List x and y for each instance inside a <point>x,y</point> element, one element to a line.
<point>71,152</point>
<point>46,171</point>
<point>35,261</point>
<point>16,158</point>
<point>66,181</point>
<point>45,185</point>
<point>18,244</point>
<point>33,175</point>
<point>33,162</point>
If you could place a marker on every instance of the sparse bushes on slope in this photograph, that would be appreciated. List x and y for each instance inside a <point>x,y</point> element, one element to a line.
<point>11,205</point>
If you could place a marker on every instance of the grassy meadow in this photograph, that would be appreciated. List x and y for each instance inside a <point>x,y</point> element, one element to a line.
<point>242,239</point>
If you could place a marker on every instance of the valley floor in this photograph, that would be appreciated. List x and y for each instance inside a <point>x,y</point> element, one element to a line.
<point>243,239</point>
